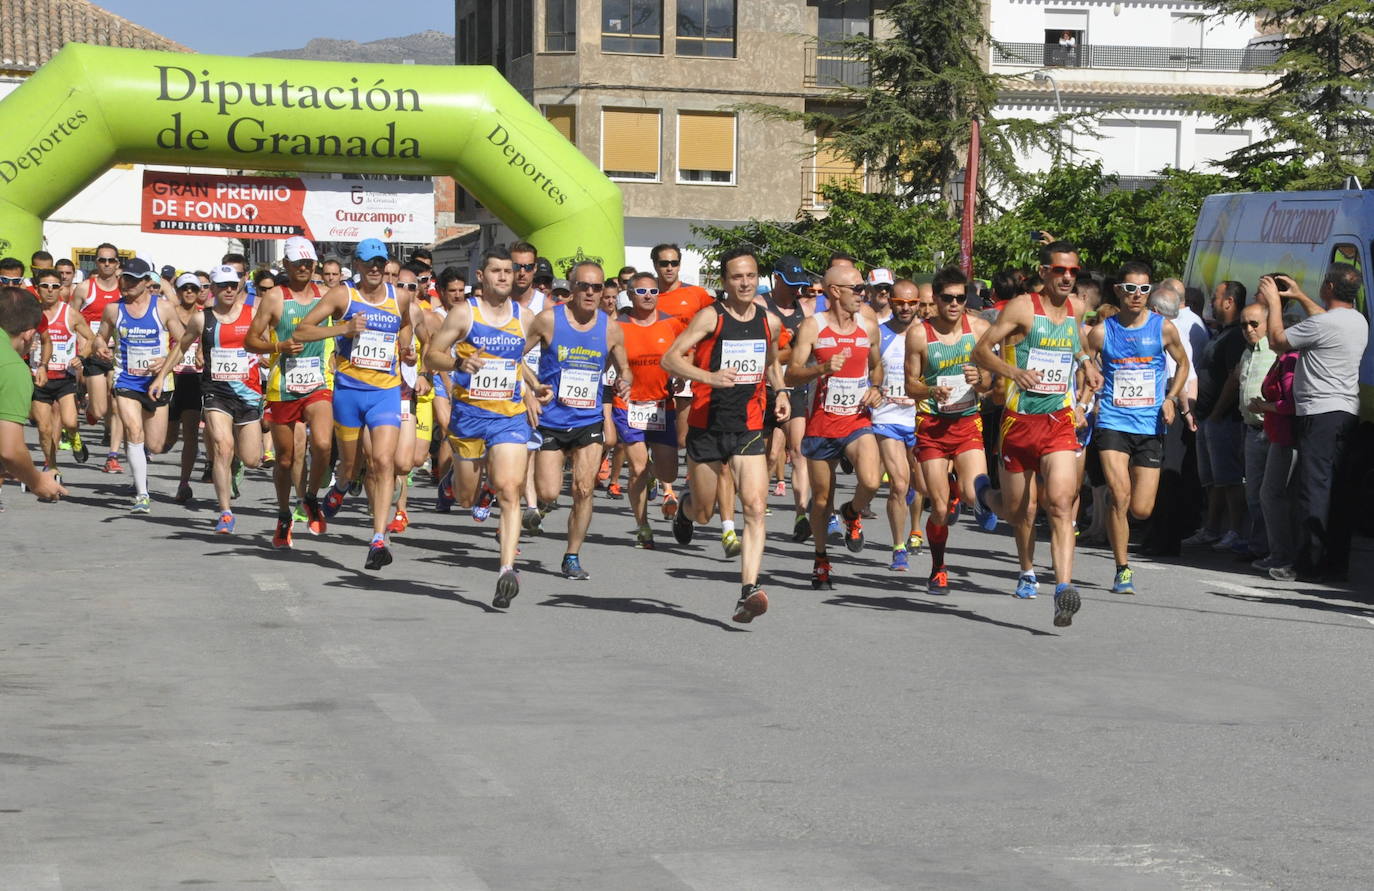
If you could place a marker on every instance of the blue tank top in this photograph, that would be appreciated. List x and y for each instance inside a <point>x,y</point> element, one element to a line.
<point>142,340</point>
<point>369,361</point>
<point>571,367</point>
<point>495,390</point>
<point>1133,382</point>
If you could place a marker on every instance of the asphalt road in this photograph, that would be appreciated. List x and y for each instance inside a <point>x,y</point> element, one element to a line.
<point>184,709</point>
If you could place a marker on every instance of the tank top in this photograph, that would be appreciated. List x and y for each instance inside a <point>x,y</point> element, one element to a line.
<point>295,377</point>
<point>944,367</point>
<point>230,369</point>
<point>836,407</point>
<point>142,341</point>
<point>897,409</point>
<point>645,347</point>
<point>93,307</point>
<point>1050,349</point>
<point>495,389</point>
<point>742,346</point>
<point>571,367</point>
<point>59,328</point>
<point>369,360</point>
<point>1133,383</point>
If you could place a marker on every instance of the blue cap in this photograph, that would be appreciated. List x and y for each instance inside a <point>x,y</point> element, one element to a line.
<point>371,249</point>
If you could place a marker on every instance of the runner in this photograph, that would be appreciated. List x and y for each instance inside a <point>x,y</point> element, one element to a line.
<point>493,406</point>
<point>149,332</point>
<point>64,337</point>
<point>949,430</point>
<point>1134,409</point>
<point>374,338</point>
<point>1038,426</point>
<point>417,402</point>
<point>300,394</point>
<point>192,300</point>
<point>727,351</point>
<point>894,423</point>
<point>93,295</point>
<point>848,371</point>
<point>576,340</point>
<point>645,419</point>
<point>529,290</point>
<point>20,317</point>
<point>450,286</point>
<point>789,279</point>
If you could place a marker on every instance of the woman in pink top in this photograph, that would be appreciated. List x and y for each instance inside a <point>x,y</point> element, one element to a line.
<point>1275,402</point>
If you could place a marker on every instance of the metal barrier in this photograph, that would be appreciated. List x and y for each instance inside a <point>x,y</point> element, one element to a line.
<point>832,67</point>
<point>1166,58</point>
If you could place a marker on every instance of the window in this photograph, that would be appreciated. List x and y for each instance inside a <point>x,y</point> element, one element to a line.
<point>467,40</point>
<point>630,143</point>
<point>706,147</point>
<point>632,26</point>
<point>522,28</point>
<point>839,20</point>
<point>1349,253</point>
<point>1066,32</point>
<point>560,26</point>
<point>706,28</point>
<point>828,168</point>
<point>564,119</point>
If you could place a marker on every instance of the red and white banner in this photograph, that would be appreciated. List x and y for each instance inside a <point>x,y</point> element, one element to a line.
<point>320,208</point>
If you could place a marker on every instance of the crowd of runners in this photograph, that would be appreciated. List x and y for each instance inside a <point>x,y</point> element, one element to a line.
<point>506,390</point>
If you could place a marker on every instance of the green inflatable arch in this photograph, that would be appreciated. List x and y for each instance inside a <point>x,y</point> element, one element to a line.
<point>91,107</point>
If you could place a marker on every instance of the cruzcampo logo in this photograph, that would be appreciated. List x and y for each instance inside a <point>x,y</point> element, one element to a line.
<point>566,264</point>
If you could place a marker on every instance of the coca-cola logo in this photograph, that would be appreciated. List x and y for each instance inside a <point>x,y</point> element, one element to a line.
<point>344,233</point>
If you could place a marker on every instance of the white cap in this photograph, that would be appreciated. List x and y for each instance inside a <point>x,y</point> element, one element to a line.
<point>346,273</point>
<point>881,276</point>
<point>187,278</point>
<point>224,275</point>
<point>623,302</point>
<point>299,248</point>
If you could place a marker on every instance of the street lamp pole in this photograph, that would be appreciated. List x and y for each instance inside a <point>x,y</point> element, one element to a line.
<point>1041,77</point>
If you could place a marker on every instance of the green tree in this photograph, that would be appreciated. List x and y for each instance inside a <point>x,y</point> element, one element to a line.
<point>1316,111</point>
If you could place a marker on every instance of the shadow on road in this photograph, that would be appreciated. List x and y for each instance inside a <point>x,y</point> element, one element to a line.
<point>364,582</point>
<point>640,605</point>
<point>919,606</point>
<point>1316,603</point>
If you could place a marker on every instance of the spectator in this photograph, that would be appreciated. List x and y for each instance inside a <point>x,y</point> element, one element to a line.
<point>1330,343</point>
<point>1220,439</point>
<point>19,317</point>
<point>1254,365</point>
<point>1176,505</point>
<point>1275,403</point>
<point>1189,323</point>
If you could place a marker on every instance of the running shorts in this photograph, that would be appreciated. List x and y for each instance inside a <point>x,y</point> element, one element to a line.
<point>941,437</point>
<point>1028,438</point>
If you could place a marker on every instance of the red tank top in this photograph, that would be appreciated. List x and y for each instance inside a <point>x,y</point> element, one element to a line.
<point>63,342</point>
<point>742,346</point>
<point>836,411</point>
<point>96,301</point>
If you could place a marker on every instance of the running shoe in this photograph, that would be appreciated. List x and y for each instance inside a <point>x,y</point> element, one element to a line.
<point>939,581</point>
<point>1229,542</point>
<point>730,543</point>
<point>208,475</point>
<point>225,524</point>
<point>833,532</point>
<point>614,491</point>
<point>1026,586</point>
<point>910,494</point>
<point>1283,573</point>
<point>914,540</point>
<point>378,555</point>
<point>481,509</point>
<point>183,493</point>
<point>801,529</point>
<point>333,501</point>
<point>443,501</point>
<point>669,505</point>
<point>64,442</point>
<point>644,538</point>
<point>507,587</point>
<point>572,568</point>
<point>356,487</point>
<point>899,561</point>
<point>317,524</point>
<point>112,465</point>
<point>79,450</point>
<point>853,528</point>
<point>282,537</point>
<point>820,575</point>
<point>142,505</point>
<point>1124,583</point>
<point>298,515</point>
<point>846,466</point>
<point>237,479</point>
<point>604,473</point>
<point>985,518</point>
<point>779,489</point>
<point>1066,603</point>
<point>955,502</point>
<point>683,529</point>
<point>752,603</point>
<point>1202,538</point>
<point>399,523</point>
<point>653,490</point>
<point>532,520</point>
<point>269,458</point>
<point>1264,564</point>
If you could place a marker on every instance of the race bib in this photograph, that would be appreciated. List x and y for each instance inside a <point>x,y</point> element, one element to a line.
<point>894,380</point>
<point>609,377</point>
<point>141,359</point>
<point>62,354</point>
<point>842,395</point>
<point>746,357</point>
<point>1055,367</point>
<point>647,416</point>
<point>302,374</point>
<point>579,388</point>
<point>494,380</point>
<point>374,350</point>
<point>190,359</point>
<point>961,395</point>
<point>229,365</point>
<point>531,359</point>
<point>684,388</point>
<point>1133,387</point>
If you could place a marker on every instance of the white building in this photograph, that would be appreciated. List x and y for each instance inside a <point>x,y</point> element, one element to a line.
<point>1142,56</point>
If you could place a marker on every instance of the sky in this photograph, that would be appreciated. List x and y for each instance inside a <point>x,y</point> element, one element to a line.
<point>245,27</point>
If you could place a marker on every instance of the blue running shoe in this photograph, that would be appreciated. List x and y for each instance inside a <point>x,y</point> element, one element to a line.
<point>443,501</point>
<point>481,508</point>
<point>1066,603</point>
<point>572,568</point>
<point>986,519</point>
<point>1026,586</point>
<point>225,524</point>
<point>1124,583</point>
<point>333,501</point>
<point>833,531</point>
<point>899,561</point>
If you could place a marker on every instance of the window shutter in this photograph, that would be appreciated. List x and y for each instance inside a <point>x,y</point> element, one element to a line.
<point>629,140</point>
<point>706,141</point>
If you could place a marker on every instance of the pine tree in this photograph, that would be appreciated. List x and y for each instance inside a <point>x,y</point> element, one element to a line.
<point>1317,109</point>
<point>910,124</point>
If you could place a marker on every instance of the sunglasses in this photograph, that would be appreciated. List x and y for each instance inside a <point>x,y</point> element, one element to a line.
<point>667,262</point>
<point>860,288</point>
<point>409,286</point>
<point>594,287</point>
<point>1133,288</point>
<point>1070,271</point>
<point>1252,324</point>
<point>302,264</point>
<point>523,267</point>
<point>6,280</point>
<point>960,297</point>
<point>107,259</point>
<point>189,288</point>
<point>646,292</point>
<point>49,286</point>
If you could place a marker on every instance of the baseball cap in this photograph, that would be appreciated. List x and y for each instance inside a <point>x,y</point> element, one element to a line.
<point>789,269</point>
<point>187,278</point>
<point>137,267</point>
<point>224,275</point>
<point>543,268</point>
<point>168,271</point>
<point>299,248</point>
<point>561,284</point>
<point>764,286</point>
<point>880,276</point>
<point>371,249</point>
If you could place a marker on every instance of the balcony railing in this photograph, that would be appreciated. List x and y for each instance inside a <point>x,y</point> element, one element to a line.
<point>1102,55</point>
<point>830,67</point>
<point>817,176</point>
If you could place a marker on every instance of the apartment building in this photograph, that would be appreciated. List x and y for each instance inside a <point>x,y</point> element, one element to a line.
<point>646,89</point>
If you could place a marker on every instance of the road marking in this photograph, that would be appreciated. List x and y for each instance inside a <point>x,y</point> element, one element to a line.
<point>1174,866</point>
<point>400,873</point>
<point>35,876</point>
<point>1270,594</point>
<point>346,656</point>
<point>402,708</point>
<point>770,870</point>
